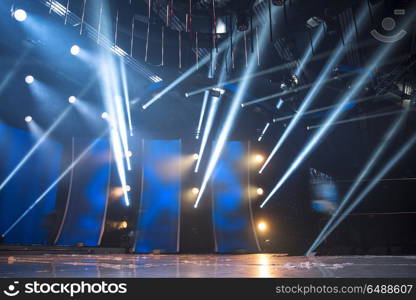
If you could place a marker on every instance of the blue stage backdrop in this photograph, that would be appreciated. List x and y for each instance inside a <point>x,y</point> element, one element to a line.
<point>158,219</point>
<point>27,184</point>
<point>231,211</point>
<point>86,206</point>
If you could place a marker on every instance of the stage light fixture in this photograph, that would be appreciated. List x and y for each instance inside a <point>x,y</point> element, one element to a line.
<point>195,156</point>
<point>127,188</point>
<point>75,50</point>
<point>195,191</point>
<point>28,119</point>
<point>129,154</point>
<point>72,99</point>
<point>29,79</point>
<point>262,226</point>
<point>20,15</point>
<point>104,115</point>
<point>122,225</point>
<point>260,191</point>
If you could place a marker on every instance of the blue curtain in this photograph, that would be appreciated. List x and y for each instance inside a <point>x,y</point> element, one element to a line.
<point>36,175</point>
<point>158,220</point>
<point>88,197</point>
<point>231,213</point>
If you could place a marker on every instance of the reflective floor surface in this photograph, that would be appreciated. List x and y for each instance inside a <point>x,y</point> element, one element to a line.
<point>252,265</point>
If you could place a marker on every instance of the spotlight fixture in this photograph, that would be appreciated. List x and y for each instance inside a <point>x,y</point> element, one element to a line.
<point>29,79</point>
<point>217,92</point>
<point>195,156</point>
<point>262,226</point>
<point>122,225</point>
<point>28,119</point>
<point>195,191</point>
<point>127,188</point>
<point>20,15</point>
<point>260,191</point>
<point>75,50</point>
<point>72,99</point>
<point>104,115</point>
<point>129,154</point>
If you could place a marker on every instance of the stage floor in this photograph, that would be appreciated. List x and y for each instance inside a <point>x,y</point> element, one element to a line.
<point>253,265</point>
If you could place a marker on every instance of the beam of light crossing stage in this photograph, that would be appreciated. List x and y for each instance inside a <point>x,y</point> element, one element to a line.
<point>54,183</point>
<point>385,142</point>
<point>189,72</point>
<point>231,116</point>
<point>307,56</point>
<point>356,86</point>
<point>114,105</point>
<point>264,131</point>
<point>210,120</point>
<point>201,116</point>
<point>361,118</point>
<point>126,94</point>
<point>293,91</point>
<point>313,93</point>
<point>405,148</point>
<point>39,142</point>
<point>16,67</point>
<point>313,111</point>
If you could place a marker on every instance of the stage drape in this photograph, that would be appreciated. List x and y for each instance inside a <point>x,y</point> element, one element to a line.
<point>159,210</point>
<point>232,218</point>
<point>85,210</point>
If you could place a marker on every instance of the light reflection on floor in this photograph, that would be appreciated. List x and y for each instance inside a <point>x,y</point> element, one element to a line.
<point>252,265</point>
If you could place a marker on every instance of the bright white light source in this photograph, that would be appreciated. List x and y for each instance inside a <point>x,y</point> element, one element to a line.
<point>29,79</point>
<point>195,191</point>
<point>258,158</point>
<point>260,191</point>
<point>75,50</point>
<point>28,119</point>
<point>72,99</point>
<point>20,15</point>
<point>195,156</point>
<point>262,226</point>
<point>129,154</point>
<point>104,115</point>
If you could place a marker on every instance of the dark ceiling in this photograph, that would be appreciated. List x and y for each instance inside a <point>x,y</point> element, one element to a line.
<point>46,46</point>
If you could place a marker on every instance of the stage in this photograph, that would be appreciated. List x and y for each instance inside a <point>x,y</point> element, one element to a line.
<point>203,266</point>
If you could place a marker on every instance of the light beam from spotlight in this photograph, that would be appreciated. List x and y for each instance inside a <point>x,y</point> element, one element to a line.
<point>34,148</point>
<point>230,119</point>
<point>357,85</point>
<point>385,142</point>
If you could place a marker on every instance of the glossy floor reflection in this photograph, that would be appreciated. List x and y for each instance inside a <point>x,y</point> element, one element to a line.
<point>253,265</point>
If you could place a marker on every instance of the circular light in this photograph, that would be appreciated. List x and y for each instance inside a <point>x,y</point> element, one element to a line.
<point>260,191</point>
<point>123,225</point>
<point>195,191</point>
<point>29,79</point>
<point>129,154</point>
<point>75,50</point>
<point>258,158</point>
<point>127,188</point>
<point>262,226</point>
<point>72,99</point>
<point>195,156</point>
<point>28,119</point>
<point>20,15</point>
<point>104,115</point>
